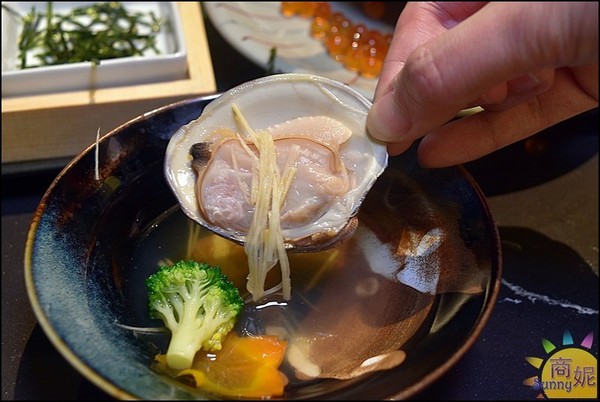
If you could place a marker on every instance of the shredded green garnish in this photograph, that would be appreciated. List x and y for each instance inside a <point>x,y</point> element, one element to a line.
<point>102,31</point>
<point>270,70</point>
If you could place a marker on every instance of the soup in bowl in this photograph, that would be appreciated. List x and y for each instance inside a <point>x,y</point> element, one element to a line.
<point>382,314</point>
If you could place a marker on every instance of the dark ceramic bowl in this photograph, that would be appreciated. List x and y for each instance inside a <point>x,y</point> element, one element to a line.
<point>84,274</point>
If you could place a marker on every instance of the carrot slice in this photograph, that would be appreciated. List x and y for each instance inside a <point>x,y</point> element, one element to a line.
<point>246,367</point>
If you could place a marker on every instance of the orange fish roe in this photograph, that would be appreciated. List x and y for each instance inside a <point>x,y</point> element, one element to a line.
<point>358,48</point>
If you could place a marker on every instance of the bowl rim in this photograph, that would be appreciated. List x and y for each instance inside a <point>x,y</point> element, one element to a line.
<point>32,294</point>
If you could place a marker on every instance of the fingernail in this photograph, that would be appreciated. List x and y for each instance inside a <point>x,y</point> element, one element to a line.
<point>384,121</point>
<point>397,148</point>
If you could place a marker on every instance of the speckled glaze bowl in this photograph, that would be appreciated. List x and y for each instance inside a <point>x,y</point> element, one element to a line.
<point>82,282</point>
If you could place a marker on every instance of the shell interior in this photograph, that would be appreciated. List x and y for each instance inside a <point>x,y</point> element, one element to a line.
<point>321,120</point>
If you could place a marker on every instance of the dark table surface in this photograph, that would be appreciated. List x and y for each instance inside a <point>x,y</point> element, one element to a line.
<point>542,192</point>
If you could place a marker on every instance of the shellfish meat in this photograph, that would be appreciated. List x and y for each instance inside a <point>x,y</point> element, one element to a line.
<point>281,163</point>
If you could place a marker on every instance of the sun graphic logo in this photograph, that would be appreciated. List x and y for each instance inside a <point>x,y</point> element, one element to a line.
<point>569,371</point>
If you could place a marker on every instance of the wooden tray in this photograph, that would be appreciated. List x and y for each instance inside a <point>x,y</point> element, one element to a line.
<point>61,125</point>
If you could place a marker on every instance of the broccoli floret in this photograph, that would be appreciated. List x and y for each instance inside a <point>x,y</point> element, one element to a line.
<point>197,303</point>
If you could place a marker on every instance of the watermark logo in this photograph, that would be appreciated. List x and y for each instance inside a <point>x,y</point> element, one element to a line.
<point>569,371</point>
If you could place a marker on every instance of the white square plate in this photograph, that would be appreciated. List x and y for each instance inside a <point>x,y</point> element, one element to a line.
<point>170,64</point>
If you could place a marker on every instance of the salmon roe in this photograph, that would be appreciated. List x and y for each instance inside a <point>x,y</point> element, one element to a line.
<point>356,47</point>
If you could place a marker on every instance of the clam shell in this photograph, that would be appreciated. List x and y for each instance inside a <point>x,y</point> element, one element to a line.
<point>270,101</point>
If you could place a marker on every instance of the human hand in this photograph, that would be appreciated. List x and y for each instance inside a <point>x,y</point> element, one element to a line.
<point>529,65</point>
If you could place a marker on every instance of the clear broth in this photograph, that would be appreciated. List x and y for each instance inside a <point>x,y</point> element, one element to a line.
<point>335,297</point>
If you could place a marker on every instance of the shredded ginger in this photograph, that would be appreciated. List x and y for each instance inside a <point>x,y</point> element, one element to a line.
<point>265,244</point>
